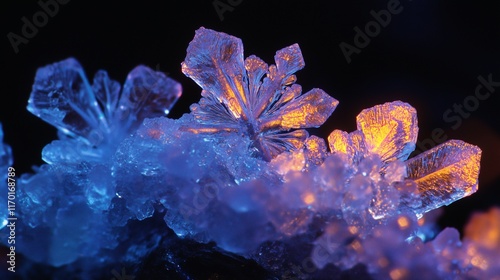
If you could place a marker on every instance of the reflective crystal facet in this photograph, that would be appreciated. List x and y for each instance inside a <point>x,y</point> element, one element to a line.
<point>390,130</point>
<point>238,175</point>
<point>250,97</point>
<point>445,173</point>
<point>97,114</point>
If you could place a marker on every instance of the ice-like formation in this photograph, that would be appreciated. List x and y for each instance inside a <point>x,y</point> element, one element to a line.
<point>240,170</point>
<point>96,116</point>
<point>74,192</point>
<point>249,97</point>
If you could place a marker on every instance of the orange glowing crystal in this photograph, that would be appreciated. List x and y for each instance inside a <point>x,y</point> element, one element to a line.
<point>249,97</point>
<point>389,131</point>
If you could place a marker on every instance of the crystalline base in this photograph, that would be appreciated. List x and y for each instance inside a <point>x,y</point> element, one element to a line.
<point>240,171</point>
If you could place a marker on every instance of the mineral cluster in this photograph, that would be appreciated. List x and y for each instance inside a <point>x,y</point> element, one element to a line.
<point>241,173</point>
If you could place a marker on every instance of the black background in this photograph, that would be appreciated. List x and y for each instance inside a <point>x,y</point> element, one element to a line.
<point>429,55</point>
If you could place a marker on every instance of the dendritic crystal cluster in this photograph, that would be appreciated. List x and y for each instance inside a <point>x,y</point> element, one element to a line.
<point>93,119</point>
<point>241,171</point>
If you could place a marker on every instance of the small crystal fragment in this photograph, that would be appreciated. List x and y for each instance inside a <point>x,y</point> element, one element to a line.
<point>288,162</point>
<point>390,130</point>
<point>384,202</point>
<point>147,94</point>
<point>315,151</point>
<point>340,142</point>
<point>445,173</point>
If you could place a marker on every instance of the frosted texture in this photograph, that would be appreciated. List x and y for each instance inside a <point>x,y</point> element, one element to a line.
<point>250,97</point>
<point>97,116</point>
<point>239,170</point>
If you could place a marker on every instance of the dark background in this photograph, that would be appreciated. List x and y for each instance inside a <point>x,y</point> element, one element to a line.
<point>429,55</point>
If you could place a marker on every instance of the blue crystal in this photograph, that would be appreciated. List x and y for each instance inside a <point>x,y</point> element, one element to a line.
<point>97,115</point>
<point>250,97</point>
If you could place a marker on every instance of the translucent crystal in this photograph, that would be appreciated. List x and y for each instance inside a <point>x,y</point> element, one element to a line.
<point>445,173</point>
<point>288,162</point>
<point>146,94</point>
<point>340,142</point>
<point>385,201</point>
<point>390,130</point>
<point>96,115</point>
<point>250,97</point>
<point>315,151</point>
<point>359,193</point>
<point>410,195</point>
<point>239,175</point>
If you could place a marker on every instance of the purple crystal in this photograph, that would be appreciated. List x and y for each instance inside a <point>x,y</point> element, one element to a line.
<point>445,173</point>
<point>239,174</point>
<point>237,96</point>
<point>96,115</point>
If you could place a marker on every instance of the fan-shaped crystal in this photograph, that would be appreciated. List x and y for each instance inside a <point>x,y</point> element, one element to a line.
<point>96,114</point>
<point>445,173</point>
<point>237,96</point>
<point>390,130</point>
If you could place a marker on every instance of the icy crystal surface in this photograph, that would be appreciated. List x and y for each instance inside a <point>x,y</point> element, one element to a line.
<point>250,97</point>
<point>240,171</point>
<point>97,114</point>
<point>445,173</point>
<point>389,132</point>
